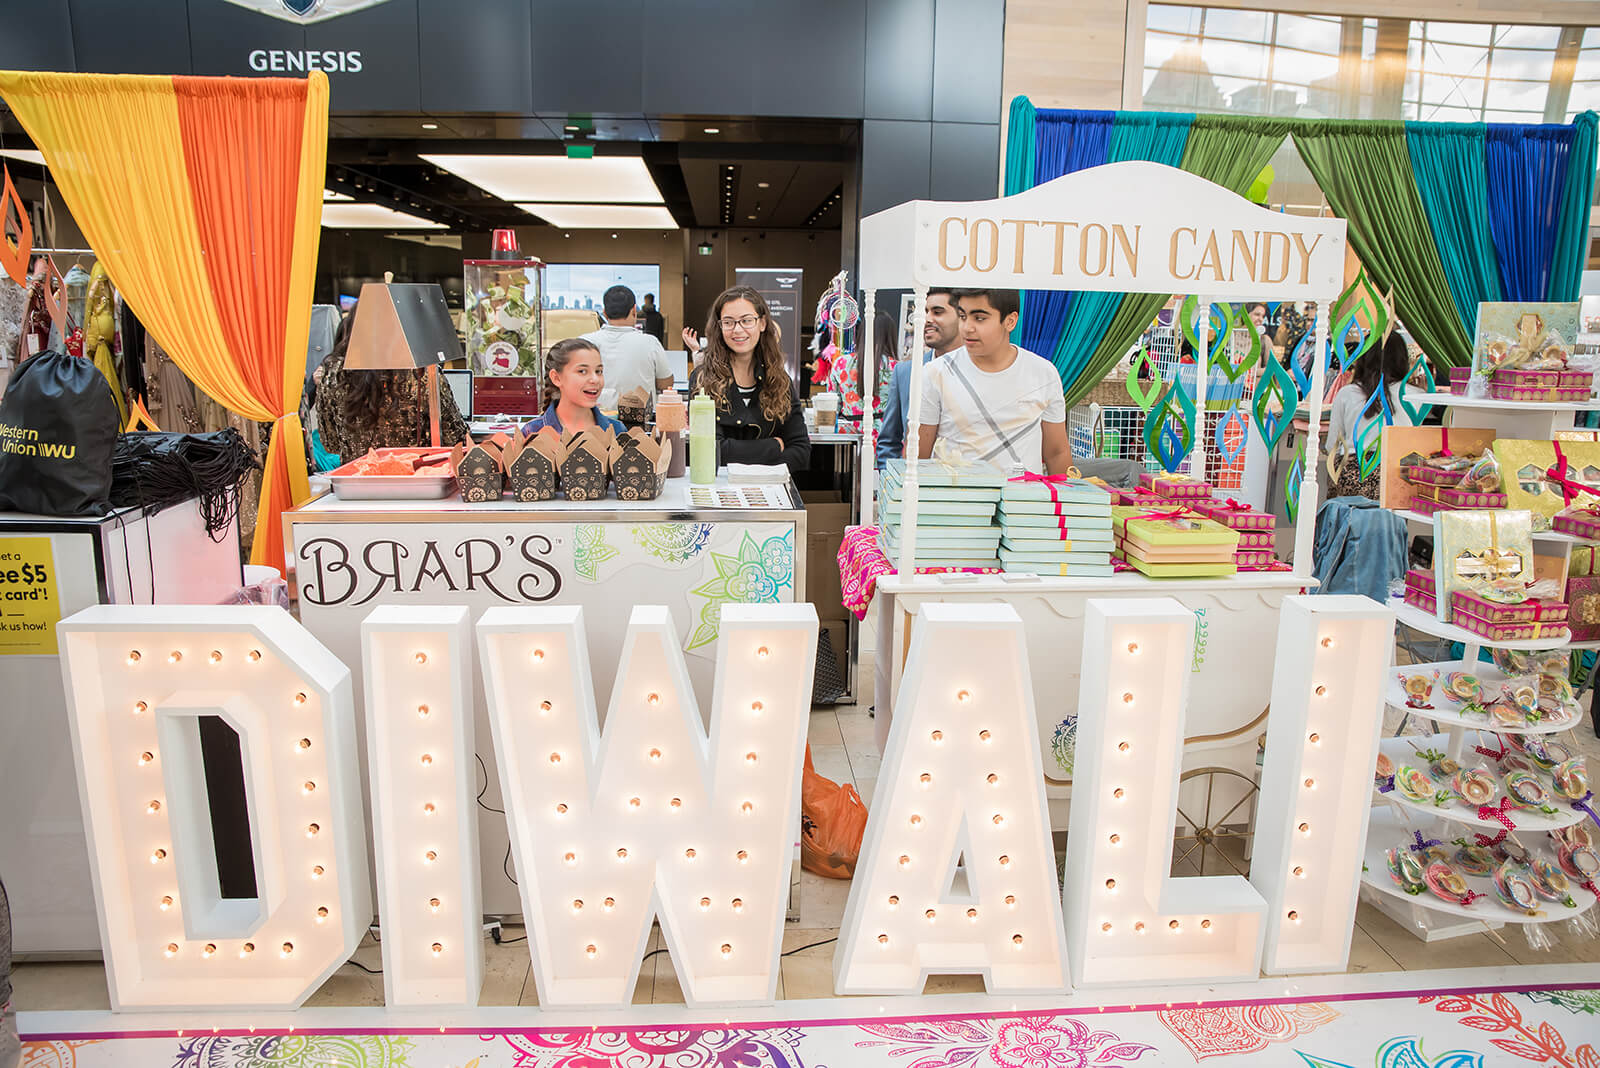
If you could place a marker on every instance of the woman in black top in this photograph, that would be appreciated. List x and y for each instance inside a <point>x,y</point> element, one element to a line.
<point>759,418</point>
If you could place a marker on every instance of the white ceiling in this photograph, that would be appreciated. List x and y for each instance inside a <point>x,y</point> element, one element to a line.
<point>339,216</point>
<point>604,216</point>
<point>556,179</point>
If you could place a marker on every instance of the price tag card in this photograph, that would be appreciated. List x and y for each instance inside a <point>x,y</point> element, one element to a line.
<point>30,602</point>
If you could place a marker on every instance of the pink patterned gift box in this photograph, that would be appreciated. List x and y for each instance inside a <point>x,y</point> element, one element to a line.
<point>1532,611</point>
<point>1551,395</point>
<point>1175,486</point>
<point>1420,579</point>
<point>1459,377</point>
<point>1508,632</point>
<point>1256,539</point>
<point>1256,558</point>
<point>1521,379</point>
<point>1136,496</point>
<point>1424,506</point>
<point>1456,497</point>
<point>1232,514</point>
<point>1417,599</point>
<point>1579,522</point>
<point>1431,476</point>
<point>1576,380</point>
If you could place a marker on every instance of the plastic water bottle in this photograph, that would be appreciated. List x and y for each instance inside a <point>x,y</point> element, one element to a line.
<point>702,440</point>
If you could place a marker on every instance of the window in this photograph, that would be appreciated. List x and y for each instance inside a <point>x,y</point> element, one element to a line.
<point>1473,71</point>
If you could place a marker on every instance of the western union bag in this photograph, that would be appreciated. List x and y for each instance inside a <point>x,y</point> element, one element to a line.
<point>58,427</point>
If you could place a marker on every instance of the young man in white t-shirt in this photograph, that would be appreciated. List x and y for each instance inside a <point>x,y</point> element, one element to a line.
<point>992,402</point>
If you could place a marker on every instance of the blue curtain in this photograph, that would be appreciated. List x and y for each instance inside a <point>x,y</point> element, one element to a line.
<point>1158,137</point>
<point>1448,163</point>
<point>1526,175</point>
<point>1572,239</point>
<point>1064,141</point>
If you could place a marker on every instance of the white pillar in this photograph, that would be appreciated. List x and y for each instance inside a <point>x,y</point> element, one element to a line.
<point>1306,518</point>
<point>1202,359</point>
<point>869,414</point>
<point>908,527</point>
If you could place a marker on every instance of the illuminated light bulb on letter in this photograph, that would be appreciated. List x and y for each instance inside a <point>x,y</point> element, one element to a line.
<point>247,949</point>
<point>308,787</point>
<point>255,656</point>
<point>316,872</point>
<point>999,819</point>
<point>145,758</point>
<point>545,707</point>
<point>174,657</point>
<point>216,656</point>
<point>1016,940</point>
<point>1295,916</point>
<point>1118,793</point>
<point>916,820</point>
<point>421,658</point>
<point>622,854</point>
<point>1005,862</point>
<point>561,809</point>
<point>1139,927</point>
<point>727,951</point>
<point>438,948</point>
<point>429,857</point>
<point>1011,901</point>
<point>993,780</point>
<point>422,711</point>
<point>299,699</point>
<point>153,807</point>
<point>894,901</point>
<point>1133,648</point>
<point>158,856</point>
<point>972,914</point>
<point>1305,828</point>
<point>140,706</point>
<point>926,779</point>
<point>304,744</point>
<point>1322,691</point>
<point>1116,839</point>
<point>286,951</point>
<point>931,915</point>
<point>570,859</point>
<point>134,656</point>
<point>655,754</point>
<point>1172,924</point>
<point>166,903</point>
<point>747,807</point>
<point>743,857</point>
<point>883,940</point>
<point>985,736</point>
<point>311,830</point>
<point>209,949</point>
<point>1123,747</point>
<point>172,949</point>
<point>433,904</point>
<point>538,654</point>
<point>705,904</point>
<point>635,802</point>
<point>555,758</point>
<point>322,914</point>
<point>937,736</point>
<point>427,759</point>
<point>676,802</point>
<point>1105,928</point>
<point>738,904</point>
<point>751,758</point>
<point>761,653</point>
<point>577,904</point>
<point>688,854</point>
<point>1315,739</point>
<point>591,950</point>
<point>1299,872</point>
<point>756,706</point>
<point>905,861</point>
<point>608,904</point>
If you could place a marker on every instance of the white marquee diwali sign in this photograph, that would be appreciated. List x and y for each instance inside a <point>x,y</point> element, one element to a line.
<point>656,818</point>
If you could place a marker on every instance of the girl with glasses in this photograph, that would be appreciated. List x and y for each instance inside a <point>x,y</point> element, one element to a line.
<point>759,418</point>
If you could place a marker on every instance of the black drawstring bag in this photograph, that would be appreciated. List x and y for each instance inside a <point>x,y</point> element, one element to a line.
<point>58,423</point>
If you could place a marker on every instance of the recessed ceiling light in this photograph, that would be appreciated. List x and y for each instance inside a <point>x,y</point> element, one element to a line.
<point>330,195</point>
<point>430,126</point>
<point>373,217</point>
<point>26,155</point>
<point>751,217</point>
<point>713,129</point>
<point>604,216</point>
<point>572,129</point>
<point>763,185</point>
<point>601,180</point>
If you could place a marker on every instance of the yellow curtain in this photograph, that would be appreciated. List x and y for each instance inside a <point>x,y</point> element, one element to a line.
<point>115,147</point>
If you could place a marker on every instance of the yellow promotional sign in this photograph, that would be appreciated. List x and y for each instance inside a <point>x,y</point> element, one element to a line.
<point>30,601</point>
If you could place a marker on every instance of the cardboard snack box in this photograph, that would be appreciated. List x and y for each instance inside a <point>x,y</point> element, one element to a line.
<point>640,467</point>
<point>480,469</point>
<point>532,465</point>
<point>586,463</point>
<point>633,407</point>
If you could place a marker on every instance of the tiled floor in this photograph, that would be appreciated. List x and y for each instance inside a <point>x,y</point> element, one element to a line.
<point>843,749</point>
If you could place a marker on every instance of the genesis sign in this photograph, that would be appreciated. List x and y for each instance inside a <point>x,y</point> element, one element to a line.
<point>305,12</point>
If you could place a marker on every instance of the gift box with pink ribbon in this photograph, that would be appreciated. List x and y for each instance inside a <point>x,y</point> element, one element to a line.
<point>1529,611</point>
<point>1508,632</point>
<point>1257,539</point>
<point>1421,475</point>
<point>1138,496</point>
<point>1525,379</point>
<point>1177,486</point>
<point>1547,394</point>
<point>1232,513</point>
<point>1582,521</point>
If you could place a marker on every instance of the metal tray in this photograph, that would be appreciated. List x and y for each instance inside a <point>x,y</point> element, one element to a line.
<point>352,487</point>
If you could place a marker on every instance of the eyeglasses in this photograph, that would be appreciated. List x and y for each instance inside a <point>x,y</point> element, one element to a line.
<point>747,323</point>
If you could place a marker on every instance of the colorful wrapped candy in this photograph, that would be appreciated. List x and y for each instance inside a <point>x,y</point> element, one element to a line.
<point>1474,786</point>
<point>1442,766</point>
<point>1580,862</point>
<point>1515,889</point>
<point>1526,790</point>
<point>1446,883</point>
<point>1474,860</point>
<point>1384,770</point>
<point>1546,752</point>
<point>1551,882</point>
<point>1571,779</point>
<point>1418,688</point>
<point>1464,687</point>
<point>1414,783</point>
<point>1405,870</point>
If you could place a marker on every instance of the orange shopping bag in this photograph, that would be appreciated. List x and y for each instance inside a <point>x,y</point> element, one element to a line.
<point>832,820</point>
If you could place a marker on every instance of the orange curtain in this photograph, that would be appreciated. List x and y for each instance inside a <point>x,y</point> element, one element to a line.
<point>202,197</point>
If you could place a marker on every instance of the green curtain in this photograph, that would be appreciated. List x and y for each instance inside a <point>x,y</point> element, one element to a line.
<point>1158,137</point>
<point>1364,169</point>
<point>1447,162</point>
<point>1572,237</point>
<point>1229,150</point>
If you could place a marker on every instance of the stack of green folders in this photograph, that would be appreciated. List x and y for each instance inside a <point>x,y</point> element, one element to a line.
<point>955,514</point>
<point>1056,528</point>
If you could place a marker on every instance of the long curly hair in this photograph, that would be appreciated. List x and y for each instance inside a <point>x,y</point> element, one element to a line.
<point>716,365</point>
<point>369,394</point>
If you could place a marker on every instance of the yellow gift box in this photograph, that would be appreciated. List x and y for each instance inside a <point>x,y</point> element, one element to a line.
<point>1525,467</point>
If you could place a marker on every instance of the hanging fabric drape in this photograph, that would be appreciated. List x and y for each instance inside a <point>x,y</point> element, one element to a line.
<point>1364,169</point>
<point>1064,142</point>
<point>1019,145</point>
<point>1571,255</point>
<point>1447,163</point>
<point>1157,137</point>
<point>203,197</point>
<point>1229,151</point>
<point>1526,175</point>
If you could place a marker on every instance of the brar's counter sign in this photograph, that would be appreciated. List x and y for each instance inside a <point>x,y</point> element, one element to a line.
<point>30,606</point>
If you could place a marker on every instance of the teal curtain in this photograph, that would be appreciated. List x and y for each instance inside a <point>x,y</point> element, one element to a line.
<point>1019,145</point>
<point>1158,137</point>
<point>1229,150</point>
<point>1447,161</point>
<point>1572,237</point>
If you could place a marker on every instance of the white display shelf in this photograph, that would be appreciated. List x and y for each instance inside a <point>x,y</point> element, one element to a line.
<point>1455,400</point>
<point>1553,536</point>
<point>1417,619</point>
<point>1446,712</point>
<point>1530,820</point>
<point>1388,829</point>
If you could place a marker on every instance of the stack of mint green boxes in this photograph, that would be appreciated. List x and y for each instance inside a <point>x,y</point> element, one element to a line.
<point>955,514</point>
<point>1056,528</point>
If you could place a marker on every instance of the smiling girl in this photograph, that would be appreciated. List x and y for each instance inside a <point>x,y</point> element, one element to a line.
<point>574,377</point>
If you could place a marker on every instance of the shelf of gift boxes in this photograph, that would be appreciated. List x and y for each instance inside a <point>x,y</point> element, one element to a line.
<point>1400,751</point>
<point>1553,536</point>
<point>1458,400</point>
<point>1388,828</point>
<point>1417,619</point>
<point>1445,711</point>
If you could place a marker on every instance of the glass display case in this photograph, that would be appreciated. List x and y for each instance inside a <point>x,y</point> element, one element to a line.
<point>505,347</point>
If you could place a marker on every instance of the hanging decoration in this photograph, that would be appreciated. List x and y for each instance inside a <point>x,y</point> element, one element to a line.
<point>1142,363</point>
<point>14,255</point>
<point>1291,490</point>
<point>1188,317</point>
<point>1169,427</point>
<point>1219,354</point>
<point>1275,390</point>
<point>1231,426</point>
<point>1418,412</point>
<point>1364,309</point>
<point>834,340</point>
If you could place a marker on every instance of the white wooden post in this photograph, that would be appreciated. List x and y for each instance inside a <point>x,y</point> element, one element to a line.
<point>1202,370</point>
<point>908,527</point>
<point>867,459</point>
<point>1306,518</point>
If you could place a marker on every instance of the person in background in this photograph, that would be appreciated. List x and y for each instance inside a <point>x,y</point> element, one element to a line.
<point>574,375</point>
<point>991,402</point>
<point>759,419</point>
<point>358,411</point>
<point>1382,367</point>
<point>1258,316</point>
<point>941,333</point>
<point>655,324</point>
<point>633,359</point>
